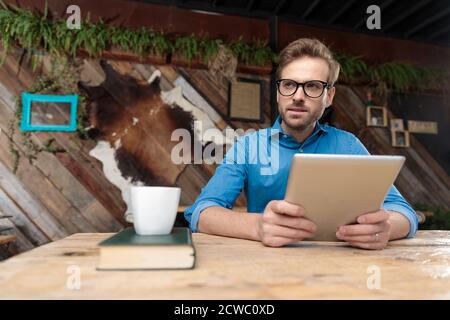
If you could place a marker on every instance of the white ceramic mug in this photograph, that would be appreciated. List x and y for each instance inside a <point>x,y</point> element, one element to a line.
<point>154,209</point>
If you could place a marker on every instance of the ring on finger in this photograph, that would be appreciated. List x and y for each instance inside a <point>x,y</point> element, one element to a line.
<point>377,237</point>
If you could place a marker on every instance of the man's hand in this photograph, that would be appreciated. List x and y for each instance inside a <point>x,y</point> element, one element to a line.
<point>283,223</point>
<point>373,231</point>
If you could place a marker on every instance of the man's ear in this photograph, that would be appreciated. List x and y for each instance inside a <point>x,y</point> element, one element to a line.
<point>330,96</point>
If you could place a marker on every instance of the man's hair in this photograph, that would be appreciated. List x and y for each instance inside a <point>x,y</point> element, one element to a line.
<point>311,48</point>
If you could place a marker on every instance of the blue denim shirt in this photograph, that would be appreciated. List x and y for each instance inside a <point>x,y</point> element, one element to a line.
<point>265,179</point>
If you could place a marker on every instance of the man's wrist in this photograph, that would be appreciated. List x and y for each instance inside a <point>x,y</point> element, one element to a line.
<point>399,225</point>
<point>256,218</point>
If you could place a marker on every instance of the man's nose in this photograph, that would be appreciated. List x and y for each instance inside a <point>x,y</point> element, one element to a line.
<point>299,94</point>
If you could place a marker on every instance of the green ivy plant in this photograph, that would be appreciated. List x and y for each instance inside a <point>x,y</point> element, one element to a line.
<point>188,46</point>
<point>142,42</point>
<point>209,48</point>
<point>261,54</point>
<point>32,31</point>
<point>35,32</point>
<point>241,50</point>
<point>353,69</point>
<point>390,76</point>
<point>440,220</point>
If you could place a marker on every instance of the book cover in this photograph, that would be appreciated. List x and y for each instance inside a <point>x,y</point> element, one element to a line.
<point>127,250</point>
<point>178,236</point>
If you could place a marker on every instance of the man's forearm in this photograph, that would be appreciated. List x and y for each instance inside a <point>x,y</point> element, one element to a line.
<point>399,225</point>
<point>225,222</point>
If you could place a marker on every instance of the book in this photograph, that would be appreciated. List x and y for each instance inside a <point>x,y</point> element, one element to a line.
<point>127,250</point>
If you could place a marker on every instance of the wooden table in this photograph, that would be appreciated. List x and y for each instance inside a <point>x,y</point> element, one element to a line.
<point>7,238</point>
<point>238,269</point>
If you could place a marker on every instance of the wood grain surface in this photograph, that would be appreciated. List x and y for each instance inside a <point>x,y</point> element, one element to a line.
<point>228,268</point>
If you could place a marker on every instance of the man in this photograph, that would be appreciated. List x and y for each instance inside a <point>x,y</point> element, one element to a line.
<point>306,75</point>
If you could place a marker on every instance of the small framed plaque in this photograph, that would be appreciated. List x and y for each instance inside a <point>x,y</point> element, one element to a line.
<point>245,100</point>
<point>397,124</point>
<point>430,127</point>
<point>400,138</point>
<point>376,116</point>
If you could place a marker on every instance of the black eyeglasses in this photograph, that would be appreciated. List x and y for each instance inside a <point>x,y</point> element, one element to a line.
<point>312,89</point>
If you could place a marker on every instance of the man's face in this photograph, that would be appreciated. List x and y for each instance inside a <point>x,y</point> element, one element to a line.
<point>300,111</point>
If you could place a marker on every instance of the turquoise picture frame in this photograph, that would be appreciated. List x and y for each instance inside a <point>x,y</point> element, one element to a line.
<point>29,98</point>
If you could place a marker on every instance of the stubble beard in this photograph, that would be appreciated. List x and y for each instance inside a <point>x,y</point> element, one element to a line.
<point>300,123</point>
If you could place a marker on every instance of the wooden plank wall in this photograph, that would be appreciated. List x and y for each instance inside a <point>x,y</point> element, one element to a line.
<point>422,179</point>
<point>59,194</point>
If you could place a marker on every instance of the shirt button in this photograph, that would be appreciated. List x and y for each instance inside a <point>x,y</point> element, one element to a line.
<point>301,150</point>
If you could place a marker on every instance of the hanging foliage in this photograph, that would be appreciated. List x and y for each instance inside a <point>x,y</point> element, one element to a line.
<point>35,32</point>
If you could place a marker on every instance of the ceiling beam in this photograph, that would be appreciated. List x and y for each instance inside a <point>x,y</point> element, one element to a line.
<point>405,14</point>
<point>427,22</point>
<point>280,6</point>
<point>343,10</point>
<point>310,9</point>
<point>251,9</point>
<point>250,5</point>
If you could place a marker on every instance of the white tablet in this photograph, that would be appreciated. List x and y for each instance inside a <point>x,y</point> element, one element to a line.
<point>336,189</point>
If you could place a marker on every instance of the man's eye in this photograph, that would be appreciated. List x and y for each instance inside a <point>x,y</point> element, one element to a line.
<point>288,84</point>
<point>313,86</point>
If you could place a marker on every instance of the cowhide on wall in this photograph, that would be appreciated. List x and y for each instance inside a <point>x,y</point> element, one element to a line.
<point>133,122</point>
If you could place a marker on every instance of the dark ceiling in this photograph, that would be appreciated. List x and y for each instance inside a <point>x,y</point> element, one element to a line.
<point>417,20</point>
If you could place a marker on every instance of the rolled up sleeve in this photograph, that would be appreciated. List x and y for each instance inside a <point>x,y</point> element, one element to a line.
<point>224,186</point>
<point>394,201</point>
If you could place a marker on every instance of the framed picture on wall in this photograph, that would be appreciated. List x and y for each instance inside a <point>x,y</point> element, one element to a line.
<point>376,116</point>
<point>400,138</point>
<point>397,124</point>
<point>245,100</point>
<point>47,112</point>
